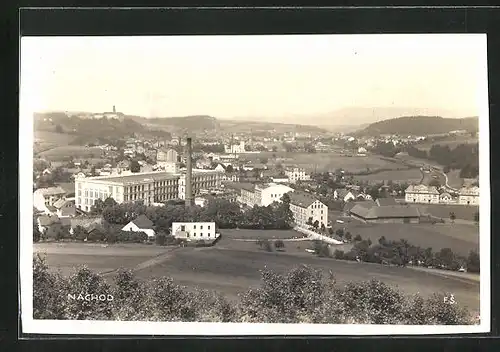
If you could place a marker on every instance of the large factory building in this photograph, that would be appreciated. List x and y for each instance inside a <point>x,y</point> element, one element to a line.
<point>150,187</point>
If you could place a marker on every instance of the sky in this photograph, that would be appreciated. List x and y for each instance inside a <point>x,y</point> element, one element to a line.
<point>240,77</point>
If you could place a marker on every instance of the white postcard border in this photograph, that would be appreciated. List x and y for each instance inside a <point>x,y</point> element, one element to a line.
<point>28,93</point>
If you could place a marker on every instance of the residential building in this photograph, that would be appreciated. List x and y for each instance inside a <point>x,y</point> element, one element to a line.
<point>44,197</point>
<point>45,221</point>
<point>195,231</point>
<point>262,195</point>
<point>305,206</point>
<point>344,194</point>
<point>231,176</point>
<point>201,180</point>
<point>386,213</point>
<point>85,222</point>
<point>446,198</point>
<point>65,207</point>
<point>150,187</point>
<point>422,194</point>
<point>295,174</point>
<point>469,196</point>
<point>235,148</point>
<point>141,224</point>
<point>386,201</point>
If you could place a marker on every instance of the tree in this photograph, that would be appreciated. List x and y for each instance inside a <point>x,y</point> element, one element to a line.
<point>279,244</point>
<point>330,231</point>
<point>160,239</point>
<point>316,224</point>
<point>135,166</point>
<point>310,221</point>
<point>274,149</point>
<point>339,233</point>
<point>79,233</point>
<point>36,232</point>
<point>476,216</point>
<point>473,262</point>
<point>452,216</point>
<point>229,168</point>
<point>435,183</point>
<point>323,227</point>
<point>264,160</point>
<point>348,236</point>
<point>358,238</point>
<point>338,254</point>
<point>59,129</point>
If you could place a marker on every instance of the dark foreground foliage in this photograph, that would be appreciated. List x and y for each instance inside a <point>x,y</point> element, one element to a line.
<point>302,295</point>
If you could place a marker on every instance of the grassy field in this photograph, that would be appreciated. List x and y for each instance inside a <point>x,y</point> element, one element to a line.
<point>326,161</point>
<point>233,265</point>
<point>74,151</point>
<point>452,143</point>
<point>464,212</point>
<point>57,139</point>
<point>461,238</point>
<point>411,175</point>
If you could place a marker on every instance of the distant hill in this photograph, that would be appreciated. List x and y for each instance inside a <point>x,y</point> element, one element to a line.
<point>186,123</point>
<point>421,125</point>
<point>84,129</point>
<point>209,123</point>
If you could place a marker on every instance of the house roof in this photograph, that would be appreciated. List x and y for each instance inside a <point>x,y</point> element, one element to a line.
<point>386,211</point>
<point>364,203</point>
<point>85,222</point>
<point>422,189</point>
<point>51,191</point>
<point>302,199</point>
<point>143,222</point>
<point>341,192</point>
<point>46,220</point>
<point>386,201</point>
<point>60,203</point>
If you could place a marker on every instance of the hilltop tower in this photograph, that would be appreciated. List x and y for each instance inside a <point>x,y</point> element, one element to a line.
<point>114,109</point>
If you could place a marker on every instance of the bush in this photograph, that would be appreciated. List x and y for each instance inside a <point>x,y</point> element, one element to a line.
<point>279,244</point>
<point>301,295</point>
<point>338,254</point>
<point>358,238</point>
<point>96,236</point>
<point>473,263</point>
<point>160,239</point>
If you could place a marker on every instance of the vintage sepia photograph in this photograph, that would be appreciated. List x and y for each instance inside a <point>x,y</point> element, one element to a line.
<point>255,185</point>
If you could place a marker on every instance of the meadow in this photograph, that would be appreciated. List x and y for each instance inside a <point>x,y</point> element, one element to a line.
<point>62,152</point>
<point>410,175</point>
<point>54,138</point>
<point>234,265</point>
<point>463,212</point>
<point>321,162</point>
<point>461,238</point>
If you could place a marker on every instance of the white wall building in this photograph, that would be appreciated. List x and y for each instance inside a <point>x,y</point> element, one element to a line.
<point>201,180</point>
<point>235,148</point>
<point>297,174</point>
<point>44,197</point>
<point>305,206</point>
<point>194,231</point>
<point>422,194</point>
<point>150,187</point>
<point>263,195</point>
<point>141,224</point>
<point>469,196</point>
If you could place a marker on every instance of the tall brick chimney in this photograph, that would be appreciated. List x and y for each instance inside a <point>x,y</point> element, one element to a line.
<point>189,173</point>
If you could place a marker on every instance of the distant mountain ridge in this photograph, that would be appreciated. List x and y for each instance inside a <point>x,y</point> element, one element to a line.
<point>421,125</point>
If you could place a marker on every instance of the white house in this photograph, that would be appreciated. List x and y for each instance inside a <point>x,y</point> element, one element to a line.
<point>194,231</point>
<point>344,195</point>
<point>235,148</point>
<point>305,206</point>
<point>446,198</point>
<point>422,194</point>
<point>44,197</point>
<point>263,195</point>
<point>220,168</point>
<point>297,174</point>
<point>469,196</point>
<point>141,224</point>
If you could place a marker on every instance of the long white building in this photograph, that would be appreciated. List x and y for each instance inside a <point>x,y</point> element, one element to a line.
<point>422,194</point>
<point>195,231</point>
<point>305,206</point>
<point>297,174</point>
<point>469,196</point>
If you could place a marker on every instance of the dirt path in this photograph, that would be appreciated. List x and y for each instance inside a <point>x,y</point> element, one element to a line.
<point>465,277</point>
